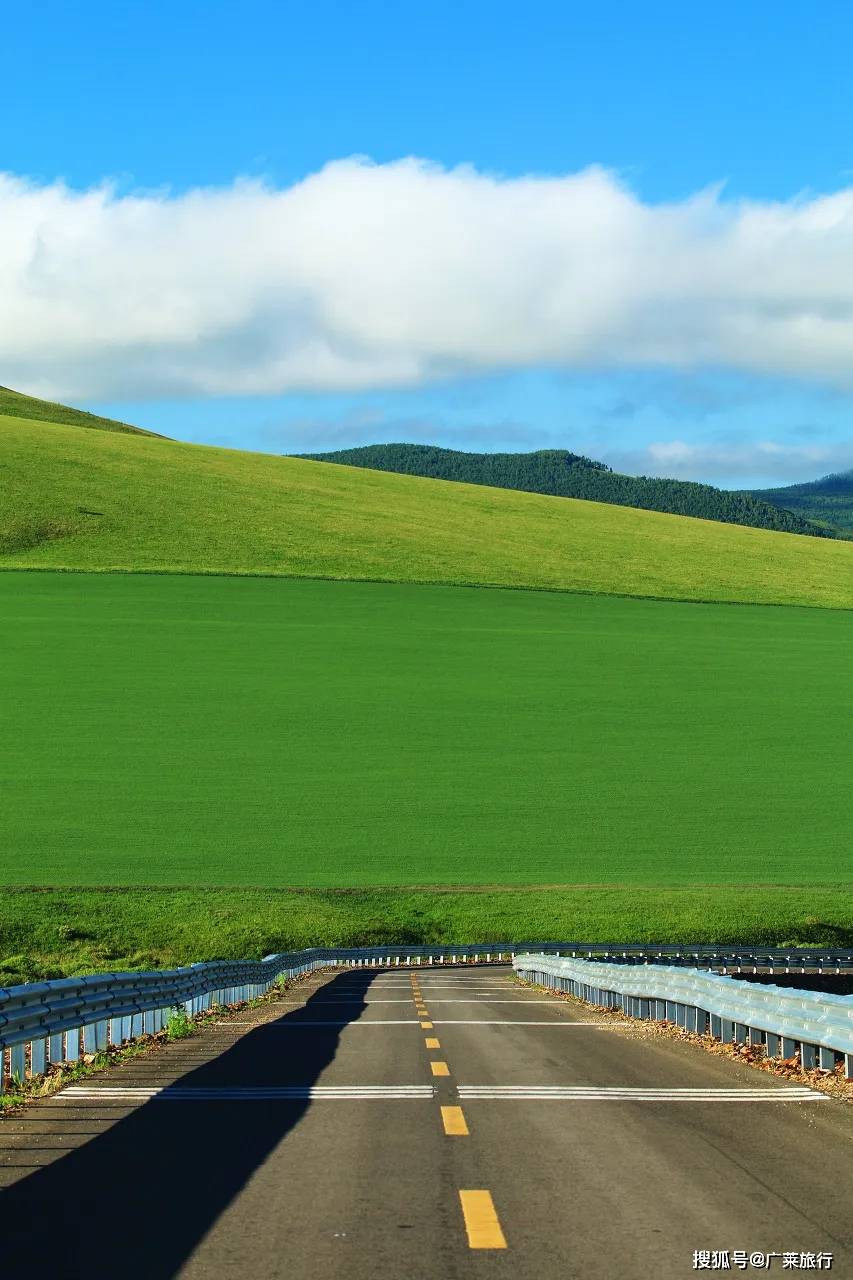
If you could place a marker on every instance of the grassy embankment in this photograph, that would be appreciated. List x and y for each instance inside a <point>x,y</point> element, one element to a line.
<point>54,932</point>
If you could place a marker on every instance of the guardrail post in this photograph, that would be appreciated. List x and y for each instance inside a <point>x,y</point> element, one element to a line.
<point>789,1047</point>
<point>72,1045</point>
<point>18,1062</point>
<point>38,1057</point>
<point>848,1066</point>
<point>808,1056</point>
<point>89,1037</point>
<point>55,1047</point>
<point>826,1058</point>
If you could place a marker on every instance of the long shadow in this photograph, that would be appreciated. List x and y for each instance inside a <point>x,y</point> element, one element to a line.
<point>138,1197</point>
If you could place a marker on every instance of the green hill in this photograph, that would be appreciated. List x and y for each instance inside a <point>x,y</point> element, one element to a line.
<point>102,500</point>
<point>15,405</point>
<point>570,475</point>
<point>827,502</point>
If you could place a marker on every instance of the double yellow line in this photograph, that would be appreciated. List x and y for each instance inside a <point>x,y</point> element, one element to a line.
<point>482,1224</point>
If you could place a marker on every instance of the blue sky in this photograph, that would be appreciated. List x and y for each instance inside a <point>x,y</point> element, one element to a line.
<point>671,100</point>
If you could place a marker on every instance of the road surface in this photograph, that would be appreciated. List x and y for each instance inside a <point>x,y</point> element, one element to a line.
<point>422,1125</point>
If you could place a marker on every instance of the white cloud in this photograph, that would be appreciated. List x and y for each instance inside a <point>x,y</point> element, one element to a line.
<point>753,464</point>
<point>368,275</point>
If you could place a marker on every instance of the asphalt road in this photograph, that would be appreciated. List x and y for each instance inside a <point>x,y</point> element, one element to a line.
<point>343,1134</point>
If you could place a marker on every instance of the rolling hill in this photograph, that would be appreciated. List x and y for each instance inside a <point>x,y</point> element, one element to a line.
<point>110,500</point>
<point>14,404</point>
<point>570,475</point>
<point>828,501</point>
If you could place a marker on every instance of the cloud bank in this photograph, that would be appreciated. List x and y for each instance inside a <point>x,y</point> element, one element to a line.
<point>368,276</point>
<point>724,462</point>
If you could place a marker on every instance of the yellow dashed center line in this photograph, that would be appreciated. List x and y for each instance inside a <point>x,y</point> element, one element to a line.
<point>440,1069</point>
<point>432,1042</point>
<point>454,1122</point>
<point>426,1026</point>
<point>481,1220</point>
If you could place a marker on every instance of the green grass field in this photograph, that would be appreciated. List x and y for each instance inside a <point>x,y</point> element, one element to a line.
<point>100,500</point>
<point>192,731</point>
<point>215,752</point>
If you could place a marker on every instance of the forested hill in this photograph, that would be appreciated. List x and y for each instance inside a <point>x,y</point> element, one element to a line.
<point>828,501</point>
<point>569,475</point>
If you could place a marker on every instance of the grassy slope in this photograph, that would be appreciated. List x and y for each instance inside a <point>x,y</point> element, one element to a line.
<point>14,404</point>
<point>569,475</point>
<point>242,731</point>
<point>100,500</point>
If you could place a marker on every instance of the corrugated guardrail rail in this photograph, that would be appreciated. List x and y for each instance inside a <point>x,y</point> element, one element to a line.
<point>817,1025</point>
<point>57,1021</point>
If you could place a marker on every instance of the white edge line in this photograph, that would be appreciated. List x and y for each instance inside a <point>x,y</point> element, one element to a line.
<point>609,1097</point>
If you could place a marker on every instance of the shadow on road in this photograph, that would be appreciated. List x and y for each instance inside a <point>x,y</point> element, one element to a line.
<point>137,1198</point>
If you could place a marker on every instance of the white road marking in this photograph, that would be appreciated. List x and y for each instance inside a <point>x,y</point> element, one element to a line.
<point>600,1093</point>
<point>290,1025</point>
<point>247,1093</point>
<point>343,1022</point>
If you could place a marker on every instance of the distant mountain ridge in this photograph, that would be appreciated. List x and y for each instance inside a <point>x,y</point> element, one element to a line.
<point>828,501</point>
<point>570,475</point>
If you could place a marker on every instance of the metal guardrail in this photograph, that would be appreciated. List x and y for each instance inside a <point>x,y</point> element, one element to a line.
<point>58,1021</point>
<point>816,1025</point>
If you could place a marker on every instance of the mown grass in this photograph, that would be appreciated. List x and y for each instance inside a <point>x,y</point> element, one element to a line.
<point>126,502</point>
<point>243,731</point>
<point>52,933</point>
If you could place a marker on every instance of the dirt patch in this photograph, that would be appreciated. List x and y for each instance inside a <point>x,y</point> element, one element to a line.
<point>25,535</point>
